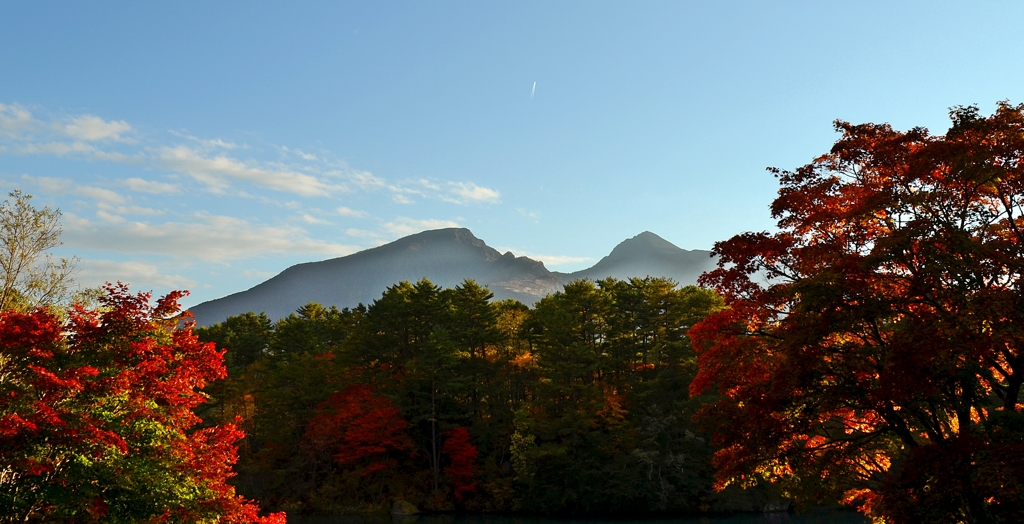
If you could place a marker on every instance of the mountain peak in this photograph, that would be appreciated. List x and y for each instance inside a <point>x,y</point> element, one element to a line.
<point>447,257</point>
<point>648,254</point>
<point>645,241</point>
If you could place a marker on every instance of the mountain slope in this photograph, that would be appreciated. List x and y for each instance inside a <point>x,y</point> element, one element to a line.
<point>445,256</point>
<point>648,254</point>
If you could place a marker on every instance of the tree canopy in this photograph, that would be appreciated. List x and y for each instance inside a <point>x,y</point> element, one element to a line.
<point>97,421</point>
<point>448,399</point>
<point>29,276</point>
<point>871,347</point>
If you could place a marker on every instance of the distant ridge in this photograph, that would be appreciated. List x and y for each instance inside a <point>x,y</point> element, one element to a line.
<point>446,257</point>
<point>648,254</point>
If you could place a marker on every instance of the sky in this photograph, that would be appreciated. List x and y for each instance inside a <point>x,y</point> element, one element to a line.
<point>210,145</point>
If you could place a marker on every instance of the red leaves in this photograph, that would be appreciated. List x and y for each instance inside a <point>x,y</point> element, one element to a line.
<point>462,457</point>
<point>883,317</point>
<point>84,403</point>
<point>362,428</point>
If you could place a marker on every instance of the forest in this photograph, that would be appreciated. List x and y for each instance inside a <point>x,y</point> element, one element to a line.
<point>448,400</point>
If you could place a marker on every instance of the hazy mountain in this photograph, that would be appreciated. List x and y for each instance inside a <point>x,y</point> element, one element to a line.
<point>446,257</point>
<point>648,254</point>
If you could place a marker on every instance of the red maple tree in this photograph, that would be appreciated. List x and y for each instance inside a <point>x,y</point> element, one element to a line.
<point>96,419</point>
<point>872,347</point>
<point>461,462</point>
<point>361,428</point>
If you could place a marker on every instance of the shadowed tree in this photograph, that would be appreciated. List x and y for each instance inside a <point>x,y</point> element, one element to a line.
<point>872,346</point>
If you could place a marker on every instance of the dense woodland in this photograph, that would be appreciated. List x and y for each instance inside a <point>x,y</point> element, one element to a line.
<point>445,399</point>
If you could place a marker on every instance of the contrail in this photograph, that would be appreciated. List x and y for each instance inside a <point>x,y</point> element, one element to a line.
<point>534,90</point>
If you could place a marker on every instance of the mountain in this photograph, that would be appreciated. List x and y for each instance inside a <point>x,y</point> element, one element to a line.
<point>446,257</point>
<point>648,254</point>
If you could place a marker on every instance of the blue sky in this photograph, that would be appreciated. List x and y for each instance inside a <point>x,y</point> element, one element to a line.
<point>210,145</point>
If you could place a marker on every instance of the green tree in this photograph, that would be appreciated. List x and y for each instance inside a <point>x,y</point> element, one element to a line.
<point>246,338</point>
<point>30,277</point>
<point>607,426</point>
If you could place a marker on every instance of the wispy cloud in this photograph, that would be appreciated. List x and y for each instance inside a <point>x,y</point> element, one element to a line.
<point>213,162</point>
<point>406,226</point>
<point>81,149</point>
<point>347,212</point>
<point>16,121</point>
<point>362,233</point>
<point>92,128</point>
<point>94,273</point>
<point>464,192</point>
<point>310,219</point>
<point>130,210</point>
<point>62,186</point>
<point>217,171</point>
<point>211,238</point>
<point>301,154</point>
<point>548,260</point>
<point>208,143</point>
<point>149,186</point>
<point>255,273</point>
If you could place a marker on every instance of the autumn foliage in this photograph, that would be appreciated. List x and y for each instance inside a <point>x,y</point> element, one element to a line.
<point>449,400</point>
<point>97,422</point>
<point>361,429</point>
<point>872,347</point>
<point>462,457</point>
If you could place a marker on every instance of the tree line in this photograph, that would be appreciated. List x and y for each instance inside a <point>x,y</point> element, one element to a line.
<point>449,400</point>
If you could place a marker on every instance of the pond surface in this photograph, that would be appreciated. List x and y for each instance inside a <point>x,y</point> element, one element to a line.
<point>817,517</point>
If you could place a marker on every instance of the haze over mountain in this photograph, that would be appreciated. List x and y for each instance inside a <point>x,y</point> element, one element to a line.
<point>446,257</point>
<point>648,254</point>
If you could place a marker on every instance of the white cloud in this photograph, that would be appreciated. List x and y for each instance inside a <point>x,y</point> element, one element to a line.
<point>129,210</point>
<point>429,185</point>
<point>140,274</point>
<point>92,128</point>
<point>208,161</point>
<point>406,226</point>
<point>470,192</point>
<point>208,143</point>
<point>109,217</point>
<point>207,237</point>
<point>70,148</point>
<point>310,219</point>
<point>148,186</point>
<point>16,121</point>
<point>255,273</point>
<point>548,260</point>
<point>65,186</point>
<point>301,154</point>
<point>98,193</point>
<point>346,212</point>
<point>217,171</point>
<point>361,233</point>
<point>366,180</point>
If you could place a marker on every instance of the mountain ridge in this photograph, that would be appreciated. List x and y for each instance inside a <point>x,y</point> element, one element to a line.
<point>446,257</point>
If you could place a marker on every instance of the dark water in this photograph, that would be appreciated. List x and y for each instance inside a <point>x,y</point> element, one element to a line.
<point>818,517</point>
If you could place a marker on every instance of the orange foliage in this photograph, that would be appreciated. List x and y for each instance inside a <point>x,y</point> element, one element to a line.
<point>890,329</point>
